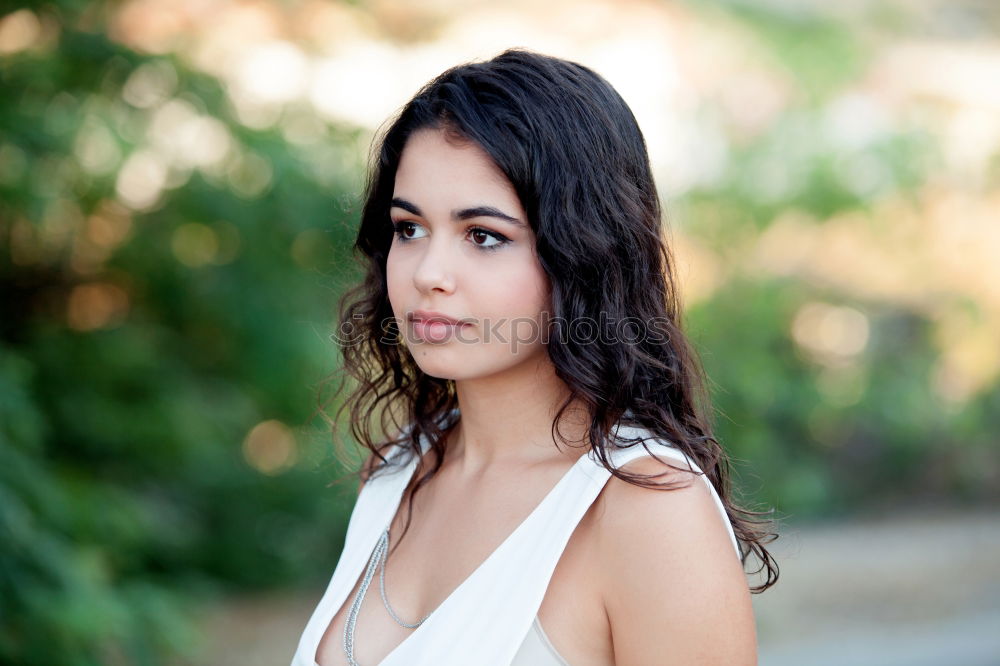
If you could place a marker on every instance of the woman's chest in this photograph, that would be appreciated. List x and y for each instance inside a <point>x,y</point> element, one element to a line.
<point>446,543</point>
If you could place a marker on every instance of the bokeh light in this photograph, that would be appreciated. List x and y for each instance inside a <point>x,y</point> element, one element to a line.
<point>270,447</point>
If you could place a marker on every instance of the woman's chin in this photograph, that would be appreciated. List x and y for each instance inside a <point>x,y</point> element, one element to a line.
<point>447,362</point>
<point>437,361</point>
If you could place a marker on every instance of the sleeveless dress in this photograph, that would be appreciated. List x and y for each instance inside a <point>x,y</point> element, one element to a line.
<point>506,590</point>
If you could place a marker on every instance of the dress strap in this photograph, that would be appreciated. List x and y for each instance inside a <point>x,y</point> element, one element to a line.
<point>663,449</point>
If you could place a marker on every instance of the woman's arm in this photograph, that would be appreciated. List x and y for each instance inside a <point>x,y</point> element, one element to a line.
<point>674,589</point>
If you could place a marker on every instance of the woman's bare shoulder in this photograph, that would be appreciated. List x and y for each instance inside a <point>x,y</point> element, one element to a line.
<point>671,582</point>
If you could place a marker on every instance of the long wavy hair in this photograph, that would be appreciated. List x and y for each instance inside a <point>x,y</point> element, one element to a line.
<point>575,155</point>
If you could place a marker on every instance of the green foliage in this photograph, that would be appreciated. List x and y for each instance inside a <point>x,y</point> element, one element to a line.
<point>123,484</point>
<point>820,54</point>
<point>815,439</point>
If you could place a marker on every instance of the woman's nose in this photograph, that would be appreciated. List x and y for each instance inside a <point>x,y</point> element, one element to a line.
<point>434,271</point>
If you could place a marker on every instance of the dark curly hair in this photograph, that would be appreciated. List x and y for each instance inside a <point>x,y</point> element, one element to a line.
<point>575,155</point>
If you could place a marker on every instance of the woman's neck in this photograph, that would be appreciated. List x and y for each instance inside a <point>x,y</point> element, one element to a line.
<point>507,419</point>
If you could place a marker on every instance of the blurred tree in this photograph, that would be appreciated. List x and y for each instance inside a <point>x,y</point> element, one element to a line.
<point>831,396</point>
<point>167,279</point>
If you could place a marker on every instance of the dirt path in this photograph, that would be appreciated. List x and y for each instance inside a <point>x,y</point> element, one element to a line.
<point>923,589</point>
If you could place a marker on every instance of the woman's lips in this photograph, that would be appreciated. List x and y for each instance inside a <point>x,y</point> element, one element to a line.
<point>435,330</point>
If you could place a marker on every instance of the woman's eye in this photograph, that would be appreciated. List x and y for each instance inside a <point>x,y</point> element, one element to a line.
<point>407,230</point>
<point>487,239</point>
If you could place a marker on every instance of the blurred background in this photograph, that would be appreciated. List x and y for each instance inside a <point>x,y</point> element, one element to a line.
<point>179,182</point>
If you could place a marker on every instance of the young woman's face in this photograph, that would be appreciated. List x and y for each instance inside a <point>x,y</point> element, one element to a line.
<point>463,251</point>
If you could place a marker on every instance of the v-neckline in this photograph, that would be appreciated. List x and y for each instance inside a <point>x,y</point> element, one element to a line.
<point>338,604</point>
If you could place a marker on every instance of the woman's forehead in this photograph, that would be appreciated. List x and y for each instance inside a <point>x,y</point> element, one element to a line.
<point>434,166</point>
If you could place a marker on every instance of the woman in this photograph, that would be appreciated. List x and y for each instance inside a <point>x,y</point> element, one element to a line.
<point>518,331</point>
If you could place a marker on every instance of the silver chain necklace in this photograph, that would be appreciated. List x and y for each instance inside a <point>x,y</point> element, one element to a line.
<point>379,556</point>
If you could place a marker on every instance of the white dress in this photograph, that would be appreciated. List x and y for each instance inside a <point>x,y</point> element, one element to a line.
<point>506,590</point>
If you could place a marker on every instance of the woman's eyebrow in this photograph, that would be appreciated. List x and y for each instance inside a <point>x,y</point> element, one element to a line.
<point>462,214</point>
